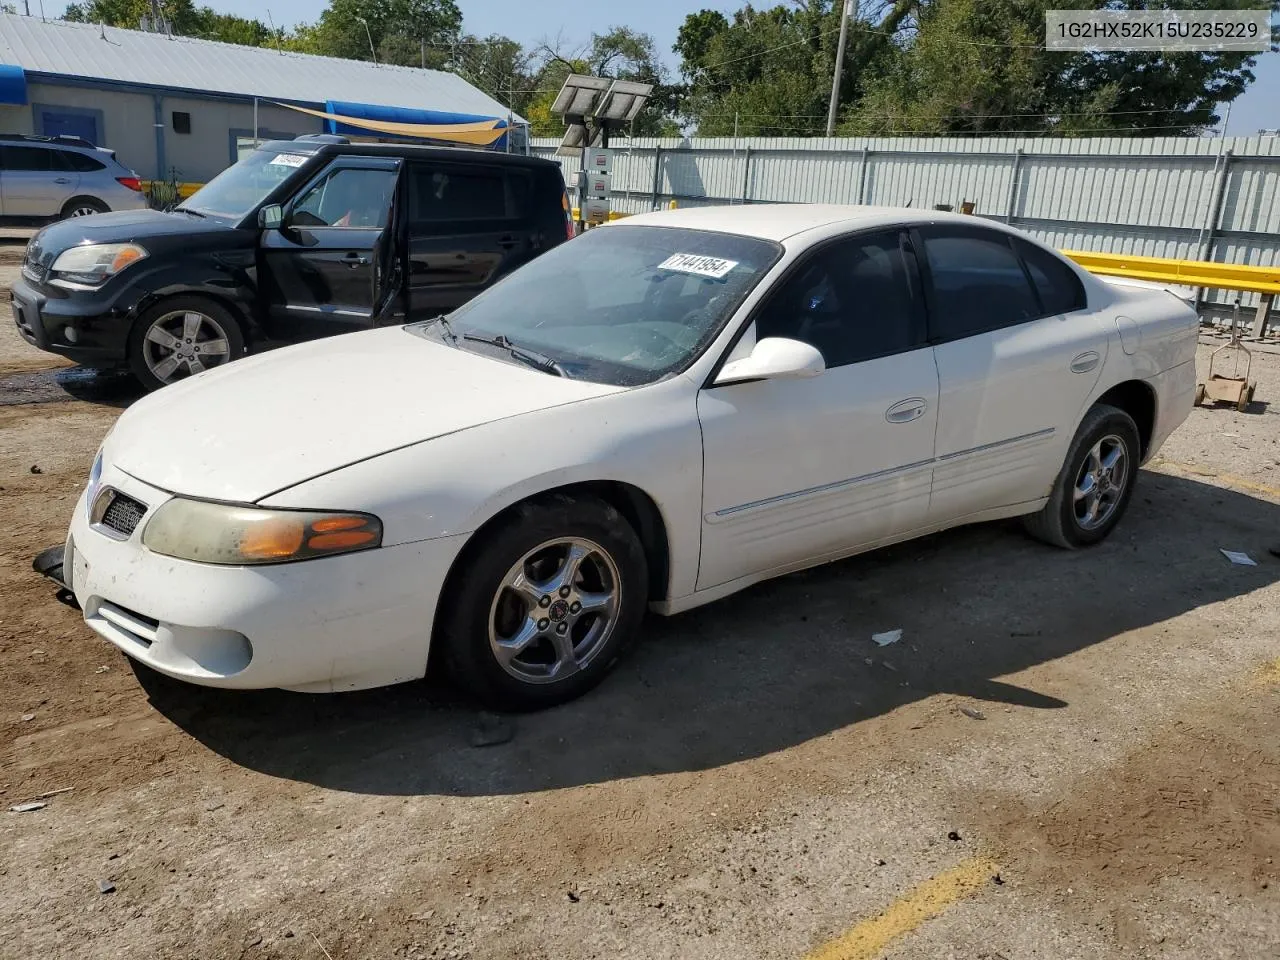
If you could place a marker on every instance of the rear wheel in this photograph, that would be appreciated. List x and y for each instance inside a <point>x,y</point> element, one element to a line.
<point>83,207</point>
<point>541,608</point>
<point>1095,484</point>
<point>181,337</point>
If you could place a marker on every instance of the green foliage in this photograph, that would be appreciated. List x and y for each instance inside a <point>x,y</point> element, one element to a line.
<point>975,66</point>
<point>185,18</point>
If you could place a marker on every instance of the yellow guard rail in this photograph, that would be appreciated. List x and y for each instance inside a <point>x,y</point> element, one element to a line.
<point>1190,273</point>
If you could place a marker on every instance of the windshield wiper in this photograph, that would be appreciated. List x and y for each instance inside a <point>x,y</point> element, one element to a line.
<point>194,213</point>
<point>443,320</point>
<point>539,361</point>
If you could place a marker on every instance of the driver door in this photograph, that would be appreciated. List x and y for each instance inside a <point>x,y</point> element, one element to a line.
<point>798,470</point>
<point>331,266</point>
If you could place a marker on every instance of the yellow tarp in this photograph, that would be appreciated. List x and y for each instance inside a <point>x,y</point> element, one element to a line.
<point>481,133</point>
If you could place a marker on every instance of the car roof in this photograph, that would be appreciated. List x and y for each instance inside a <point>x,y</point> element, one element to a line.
<point>331,148</point>
<point>53,143</point>
<point>779,221</point>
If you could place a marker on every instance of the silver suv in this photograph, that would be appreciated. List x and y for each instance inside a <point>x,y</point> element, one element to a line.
<point>51,178</point>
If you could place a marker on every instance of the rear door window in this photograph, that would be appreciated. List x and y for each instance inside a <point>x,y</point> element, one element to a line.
<point>443,193</point>
<point>1059,288</point>
<point>977,283</point>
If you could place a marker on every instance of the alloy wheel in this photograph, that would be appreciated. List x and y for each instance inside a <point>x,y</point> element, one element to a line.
<point>1101,482</point>
<point>183,343</point>
<point>554,610</point>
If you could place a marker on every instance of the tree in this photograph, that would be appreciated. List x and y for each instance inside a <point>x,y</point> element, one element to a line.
<point>978,66</point>
<point>406,32</point>
<point>768,71</point>
<point>620,54</point>
<point>184,17</point>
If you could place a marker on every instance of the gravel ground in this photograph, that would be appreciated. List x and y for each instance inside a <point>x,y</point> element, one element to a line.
<point>1083,749</point>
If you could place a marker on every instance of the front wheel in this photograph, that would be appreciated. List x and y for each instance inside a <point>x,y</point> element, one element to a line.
<point>1095,484</point>
<point>181,337</point>
<point>543,605</point>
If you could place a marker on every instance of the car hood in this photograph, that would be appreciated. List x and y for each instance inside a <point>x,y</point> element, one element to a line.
<point>124,226</point>
<point>268,422</point>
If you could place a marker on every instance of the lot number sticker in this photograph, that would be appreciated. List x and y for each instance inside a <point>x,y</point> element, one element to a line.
<point>288,160</point>
<point>712,267</point>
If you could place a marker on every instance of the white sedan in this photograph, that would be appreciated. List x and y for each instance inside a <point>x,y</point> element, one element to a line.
<point>660,413</point>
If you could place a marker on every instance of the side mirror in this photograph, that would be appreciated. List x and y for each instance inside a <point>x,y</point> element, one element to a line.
<point>271,216</point>
<point>774,358</point>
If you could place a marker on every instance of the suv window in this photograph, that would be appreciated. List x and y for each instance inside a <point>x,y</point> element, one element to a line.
<point>1059,288</point>
<point>347,197</point>
<point>978,282</point>
<point>444,193</point>
<point>79,162</point>
<point>27,158</point>
<point>852,300</point>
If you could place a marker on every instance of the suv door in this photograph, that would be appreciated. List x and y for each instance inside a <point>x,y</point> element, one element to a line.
<point>797,470</point>
<point>35,181</point>
<point>1019,353</point>
<point>469,226</point>
<point>330,267</point>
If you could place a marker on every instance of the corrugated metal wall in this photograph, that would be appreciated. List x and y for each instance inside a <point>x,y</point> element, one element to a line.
<point>1192,198</point>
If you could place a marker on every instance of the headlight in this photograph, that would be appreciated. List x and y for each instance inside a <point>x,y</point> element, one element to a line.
<point>92,264</point>
<point>227,534</point>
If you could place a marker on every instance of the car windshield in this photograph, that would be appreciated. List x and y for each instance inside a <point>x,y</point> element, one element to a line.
<point>624,305</point>
<point>244,185</point>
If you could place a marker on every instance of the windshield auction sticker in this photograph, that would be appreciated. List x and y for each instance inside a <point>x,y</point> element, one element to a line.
<point>1160,30</point>
<point>288,160</point>
<point>699,266</point>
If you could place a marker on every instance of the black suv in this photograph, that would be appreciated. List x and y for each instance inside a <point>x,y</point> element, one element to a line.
<point>300,239</point>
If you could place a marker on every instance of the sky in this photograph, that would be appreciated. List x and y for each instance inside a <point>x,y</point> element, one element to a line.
<point>569,24</point>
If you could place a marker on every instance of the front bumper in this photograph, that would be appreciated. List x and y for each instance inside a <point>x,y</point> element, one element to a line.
<point>339,623</point>
<point>88,327</point>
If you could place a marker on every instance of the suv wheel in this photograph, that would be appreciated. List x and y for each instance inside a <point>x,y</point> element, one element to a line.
<point>83,207</point>
<point>182,337</point>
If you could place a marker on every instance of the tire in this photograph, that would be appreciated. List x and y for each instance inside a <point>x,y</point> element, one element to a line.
<point>1059,523</point>
<point>1199,394</point>
<point>152,359</point>
<point>482,614</point>
<point>83,207</point>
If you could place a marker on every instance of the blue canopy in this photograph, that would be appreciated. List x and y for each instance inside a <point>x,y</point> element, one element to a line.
<point>373,111</point>
<point>13,84</point>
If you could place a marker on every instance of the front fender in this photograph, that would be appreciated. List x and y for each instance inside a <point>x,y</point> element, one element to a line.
<point>648,438</point>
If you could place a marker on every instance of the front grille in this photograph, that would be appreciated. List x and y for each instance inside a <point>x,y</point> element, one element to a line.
<point>121,622</point>
<point>123,514</point>
<point>32,272</point>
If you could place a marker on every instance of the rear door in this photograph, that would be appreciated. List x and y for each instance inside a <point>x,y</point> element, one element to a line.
<point>470,224</point>
<point>330,267</point>
<point>34,181</point>
<point>1018,353</point>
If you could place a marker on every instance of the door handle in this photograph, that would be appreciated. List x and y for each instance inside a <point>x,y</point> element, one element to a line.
<point>61,180</point>
<point>1085,362</point>
<point>904,411</point>
<point>355,260</point>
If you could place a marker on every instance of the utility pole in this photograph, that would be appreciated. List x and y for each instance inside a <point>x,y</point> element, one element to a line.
<point>850,11</point>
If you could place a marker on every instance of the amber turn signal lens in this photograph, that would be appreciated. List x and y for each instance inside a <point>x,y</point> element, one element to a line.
<point>272,539</point>
<point>341,541</point>
<point>126,256</point>
<point>333,524</point>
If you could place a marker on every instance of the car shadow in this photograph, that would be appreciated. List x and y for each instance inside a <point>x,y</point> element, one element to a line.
<point>774,666</point>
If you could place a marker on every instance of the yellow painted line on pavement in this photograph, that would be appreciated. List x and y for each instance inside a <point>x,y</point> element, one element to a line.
<point>1229,479</point>
<point>867,939</point>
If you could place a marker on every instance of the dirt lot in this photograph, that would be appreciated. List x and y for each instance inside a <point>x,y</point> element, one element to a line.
<point>1082,749</point>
